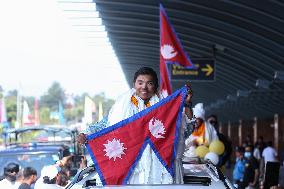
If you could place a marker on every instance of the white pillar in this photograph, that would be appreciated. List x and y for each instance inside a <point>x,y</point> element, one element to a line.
<point>229,129</point>
<point>276,131</point>
<point>254,129</point>
<point>240,132</point>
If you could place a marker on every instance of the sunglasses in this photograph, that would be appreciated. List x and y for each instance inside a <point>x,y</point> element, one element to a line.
<point>14,171</point>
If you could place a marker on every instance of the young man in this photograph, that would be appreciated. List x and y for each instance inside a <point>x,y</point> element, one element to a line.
<point>10,176</point>
<point>30,177</point>
<point>144,94</point>
<point>251,173</point>
<point>239,168</point>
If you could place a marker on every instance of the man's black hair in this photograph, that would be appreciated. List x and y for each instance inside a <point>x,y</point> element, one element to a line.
<point>213,116</point>
<point>240,149</point>
<point>147,71</point>
<point>28,172</point>
<point>66,152</point>
<point>11,167</point>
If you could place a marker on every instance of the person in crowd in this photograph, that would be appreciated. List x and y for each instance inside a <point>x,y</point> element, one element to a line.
<point>269,153</point>
<point>10,176</point>
<point>256,152</point>
<point>48,177</point>
<point>248,141</point>
<point>225,157</point>
<point>239,168</point>
<point>62,179</point>
<point>29,178</point>
<point>261,144</point>
<point>144,94</point>
<point>204,132</point>
<point>251,173</point>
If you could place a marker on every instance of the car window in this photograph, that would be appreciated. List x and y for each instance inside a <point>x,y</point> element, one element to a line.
<point>40,136</point>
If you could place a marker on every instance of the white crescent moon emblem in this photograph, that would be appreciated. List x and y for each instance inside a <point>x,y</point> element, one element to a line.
<point>168,51</point>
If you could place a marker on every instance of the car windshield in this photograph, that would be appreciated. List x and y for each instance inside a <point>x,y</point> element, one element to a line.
<point>36,161</point>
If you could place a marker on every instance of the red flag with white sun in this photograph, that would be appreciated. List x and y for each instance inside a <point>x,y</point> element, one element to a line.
<point>171,52</point>
<point>117,149</point>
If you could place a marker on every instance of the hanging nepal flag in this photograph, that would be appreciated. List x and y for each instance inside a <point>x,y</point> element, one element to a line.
<point>117,149</point>
<point>171,52</point>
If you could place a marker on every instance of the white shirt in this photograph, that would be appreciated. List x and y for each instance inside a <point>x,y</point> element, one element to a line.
<point>269,154</point>
<point>256,154</point>
<point>40,185</point>
<point>6,184</point>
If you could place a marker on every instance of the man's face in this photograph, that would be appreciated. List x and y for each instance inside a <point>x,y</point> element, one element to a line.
<point>212,121</point>
<point>145,86</point>
<point>198,122</point>
<point>34,178</point>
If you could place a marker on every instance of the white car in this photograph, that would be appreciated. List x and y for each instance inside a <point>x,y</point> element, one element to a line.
<point>197,175</point>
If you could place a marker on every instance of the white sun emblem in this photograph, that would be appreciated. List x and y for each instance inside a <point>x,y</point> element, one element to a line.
<point>114,149</point>
<point>156,128</point>
<point>168,51</point>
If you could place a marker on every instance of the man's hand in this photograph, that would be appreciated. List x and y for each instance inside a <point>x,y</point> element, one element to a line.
<point>189,94</point>
<point>188,99</point>
<point>81,138</point>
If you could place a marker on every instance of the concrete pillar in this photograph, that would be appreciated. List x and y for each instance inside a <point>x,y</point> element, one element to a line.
<point>276,132</point>
<point>240,133</point>
<point>220,128</point>
<point>229,129</point>
<point>254,130</point>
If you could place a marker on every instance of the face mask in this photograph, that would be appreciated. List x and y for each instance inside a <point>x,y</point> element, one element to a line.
<point>247,154</point>
<point>12,178</point>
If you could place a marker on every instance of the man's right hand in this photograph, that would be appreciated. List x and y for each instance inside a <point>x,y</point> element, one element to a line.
<point>81,138</point>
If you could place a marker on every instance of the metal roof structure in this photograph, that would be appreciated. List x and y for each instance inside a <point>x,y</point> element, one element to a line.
<point>246,39</point>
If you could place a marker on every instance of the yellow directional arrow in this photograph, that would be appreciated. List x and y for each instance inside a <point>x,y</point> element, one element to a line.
<point>207,69</point>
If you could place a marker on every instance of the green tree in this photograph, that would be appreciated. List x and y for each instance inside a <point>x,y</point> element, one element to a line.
<point>54,95</point>
<point>44,116</point>
<point>11,105</point>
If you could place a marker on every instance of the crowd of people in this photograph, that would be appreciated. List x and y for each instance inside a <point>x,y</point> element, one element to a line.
<point>251,162</point>
<point>54,176</point>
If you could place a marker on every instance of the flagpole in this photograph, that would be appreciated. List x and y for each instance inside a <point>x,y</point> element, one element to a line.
<point>19,110</point>
<point>100,111</point>
<point>36,112</point>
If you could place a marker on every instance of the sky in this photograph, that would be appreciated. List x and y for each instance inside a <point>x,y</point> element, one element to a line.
<point>42,42</point>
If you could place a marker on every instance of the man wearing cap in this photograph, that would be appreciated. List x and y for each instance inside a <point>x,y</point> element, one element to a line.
<point>47,178</point>
<point>10,174</point>
<point>203,132</point>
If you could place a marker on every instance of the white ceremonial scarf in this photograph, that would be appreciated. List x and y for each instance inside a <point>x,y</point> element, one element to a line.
<point>149,169</point>
<point>124,108</point>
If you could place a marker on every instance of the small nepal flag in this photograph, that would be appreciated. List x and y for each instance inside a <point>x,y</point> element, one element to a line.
<point>117,149</point>
<point>171,52</point>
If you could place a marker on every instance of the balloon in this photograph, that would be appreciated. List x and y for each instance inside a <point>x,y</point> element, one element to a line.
<point>214,158</point>
<point>201,151</point>
<point>217,147</point>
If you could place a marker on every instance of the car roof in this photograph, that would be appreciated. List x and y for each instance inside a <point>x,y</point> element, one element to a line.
<point>28,148</point>
<point>51,128</point>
